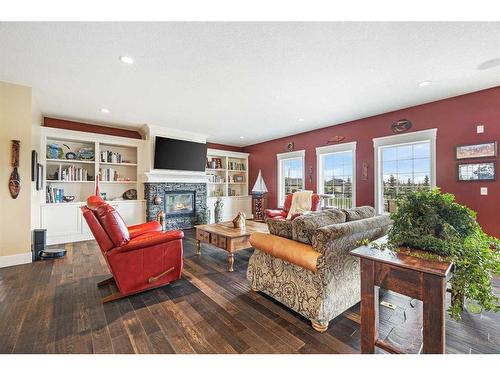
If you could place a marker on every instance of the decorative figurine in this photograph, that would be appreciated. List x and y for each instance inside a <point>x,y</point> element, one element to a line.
<point>15,179</point>
<point>239,220</point>
<point>218,210</point>
<point>160,217</point>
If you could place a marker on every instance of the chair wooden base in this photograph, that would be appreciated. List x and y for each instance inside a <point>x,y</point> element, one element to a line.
<point>319,327</point>
<point>109,280</point>
<point>117,295</point>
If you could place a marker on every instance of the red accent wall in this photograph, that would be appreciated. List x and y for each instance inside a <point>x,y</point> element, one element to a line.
<point>456,120</point>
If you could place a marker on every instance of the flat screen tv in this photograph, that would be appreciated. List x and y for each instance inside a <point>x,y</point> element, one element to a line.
<point>179,155</point>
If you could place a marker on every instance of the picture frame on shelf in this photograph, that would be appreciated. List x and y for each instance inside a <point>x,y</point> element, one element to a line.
<point>478,150</point>
<point>483,171</point>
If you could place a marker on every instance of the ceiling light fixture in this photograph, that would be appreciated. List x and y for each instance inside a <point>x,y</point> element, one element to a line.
<point>241,137</point>
<point>104,110</point>
<point>424,83</point>
<point>126,60</point>
<point>301,119</point>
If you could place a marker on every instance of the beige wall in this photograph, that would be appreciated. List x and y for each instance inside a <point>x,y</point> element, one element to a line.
<point>15,124</point>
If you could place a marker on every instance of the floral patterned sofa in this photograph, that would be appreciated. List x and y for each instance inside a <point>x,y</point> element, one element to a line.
<point>305,263</point>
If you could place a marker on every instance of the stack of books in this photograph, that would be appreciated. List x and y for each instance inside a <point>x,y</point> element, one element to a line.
<point>73,173</point>
<point>54,195</point>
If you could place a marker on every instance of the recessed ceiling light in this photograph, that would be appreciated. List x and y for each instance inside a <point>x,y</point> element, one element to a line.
<point>126,60</point>
<point>493,63</point>
<point>104,110</point>
<point>424,83</point>
<point>301,119</point>
<point>241,137</point>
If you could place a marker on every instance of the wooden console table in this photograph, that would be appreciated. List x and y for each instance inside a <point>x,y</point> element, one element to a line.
<point>414,277</point>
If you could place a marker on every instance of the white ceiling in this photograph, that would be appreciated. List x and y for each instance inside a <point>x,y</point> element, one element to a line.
<point>244,79</point>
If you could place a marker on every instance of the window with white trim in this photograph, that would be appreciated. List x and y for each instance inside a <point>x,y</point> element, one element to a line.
<point>336,166</point>
<point>290,174</point>
<point>404,163</point>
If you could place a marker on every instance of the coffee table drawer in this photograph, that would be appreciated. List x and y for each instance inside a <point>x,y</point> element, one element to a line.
<point>222,242</point>
<point>203,236</point>
<point>214,239</point>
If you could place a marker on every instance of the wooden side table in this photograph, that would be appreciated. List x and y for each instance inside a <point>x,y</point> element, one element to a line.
<point>414,277</point>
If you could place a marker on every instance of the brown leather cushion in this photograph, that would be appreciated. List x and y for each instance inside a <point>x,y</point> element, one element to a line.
<point>291,251</point>
<point>113,224</point>
<point>358,213</point>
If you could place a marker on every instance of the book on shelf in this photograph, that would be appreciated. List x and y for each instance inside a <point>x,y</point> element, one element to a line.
<point>236,166</point>
<point>111,157</point>
<point>54,195</point>
<point>72,173</point>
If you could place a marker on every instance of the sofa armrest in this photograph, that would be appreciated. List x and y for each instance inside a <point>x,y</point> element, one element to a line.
<point>139,229</point>
<point>273,213</point>
<point>345,236</point>
<point>149,239</point>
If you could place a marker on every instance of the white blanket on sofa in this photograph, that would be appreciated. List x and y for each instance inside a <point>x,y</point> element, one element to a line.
<point>301,202</point>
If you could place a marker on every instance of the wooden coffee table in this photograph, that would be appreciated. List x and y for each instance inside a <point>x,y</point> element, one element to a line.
<point>225,236</point>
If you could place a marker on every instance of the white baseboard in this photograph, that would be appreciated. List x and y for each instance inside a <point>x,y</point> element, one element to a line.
<point>14,260</point>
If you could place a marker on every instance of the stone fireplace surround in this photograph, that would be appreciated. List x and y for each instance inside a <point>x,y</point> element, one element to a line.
<point>153,189</point>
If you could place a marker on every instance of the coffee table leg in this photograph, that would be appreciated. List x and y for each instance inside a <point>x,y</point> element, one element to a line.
<point>198,247</point>
<point>230,259</point>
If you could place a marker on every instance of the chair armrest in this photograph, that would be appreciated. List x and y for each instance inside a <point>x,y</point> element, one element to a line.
<point>150,226</point>
<point>273,213</point>
<point>149,239</point>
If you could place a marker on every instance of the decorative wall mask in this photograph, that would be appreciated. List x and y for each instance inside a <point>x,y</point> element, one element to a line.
<point>401,126</point>
<point>336,139</point>
<point>289,146</point>
<point>15,179</point>
<point>310,174</point>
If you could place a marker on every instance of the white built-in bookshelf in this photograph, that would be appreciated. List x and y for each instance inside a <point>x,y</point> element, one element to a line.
<point>228,173</point>
<point>71,167</point>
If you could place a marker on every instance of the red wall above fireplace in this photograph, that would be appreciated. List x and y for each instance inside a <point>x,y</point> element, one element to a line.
<point>456,120</point>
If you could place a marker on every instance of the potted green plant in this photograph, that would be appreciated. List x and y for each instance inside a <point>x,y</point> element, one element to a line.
<point>432,221</point>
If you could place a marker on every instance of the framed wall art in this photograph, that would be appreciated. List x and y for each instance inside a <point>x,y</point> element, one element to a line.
<point>480,150</point>
<point>477,171</point>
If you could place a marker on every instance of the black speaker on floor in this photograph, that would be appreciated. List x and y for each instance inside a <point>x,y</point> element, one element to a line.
<point>39,244</point>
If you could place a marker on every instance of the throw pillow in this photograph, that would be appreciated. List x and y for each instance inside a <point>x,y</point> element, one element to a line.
<point>358,213</point>
<point>282,228</point>
<point>304,226</point>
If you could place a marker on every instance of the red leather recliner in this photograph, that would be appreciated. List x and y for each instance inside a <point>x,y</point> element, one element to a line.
<point>139,257</point>
<point>281,214</point>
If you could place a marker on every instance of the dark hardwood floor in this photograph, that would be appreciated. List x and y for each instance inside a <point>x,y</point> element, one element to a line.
<point>54,307</point>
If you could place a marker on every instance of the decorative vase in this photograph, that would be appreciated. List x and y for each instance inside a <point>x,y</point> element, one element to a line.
<point>218,210</point>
